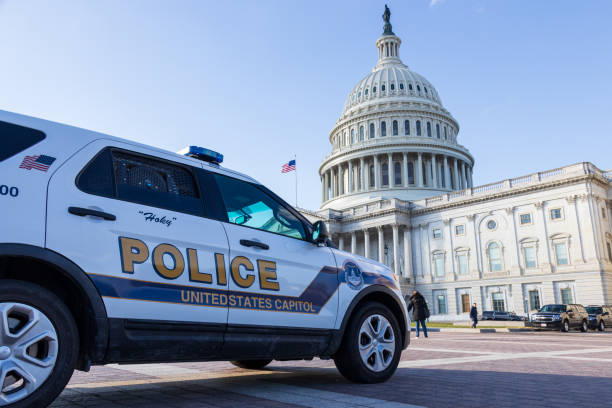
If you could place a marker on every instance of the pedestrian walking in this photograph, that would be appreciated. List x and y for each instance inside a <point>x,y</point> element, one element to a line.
<point>474,315</point>
<point>420,312</point>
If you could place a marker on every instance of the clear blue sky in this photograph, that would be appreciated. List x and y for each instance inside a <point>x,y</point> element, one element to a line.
<point>529,81</point>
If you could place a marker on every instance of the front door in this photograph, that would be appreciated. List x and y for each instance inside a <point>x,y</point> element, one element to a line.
<point>135,222</point>
<point>279,279</point>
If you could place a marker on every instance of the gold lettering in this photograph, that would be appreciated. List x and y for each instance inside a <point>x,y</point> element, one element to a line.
<point>132,251</point>
<point>183,296</point>
<point>158,261</point>
<point>247,281</point>
<point>220,267</point>
<point>194,269</point>
<point>267,275</point>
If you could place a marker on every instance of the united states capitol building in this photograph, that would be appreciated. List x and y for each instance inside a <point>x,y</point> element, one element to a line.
<point>397,187</point>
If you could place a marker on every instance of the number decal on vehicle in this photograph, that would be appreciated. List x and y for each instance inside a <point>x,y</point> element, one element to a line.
<point>11,191</point>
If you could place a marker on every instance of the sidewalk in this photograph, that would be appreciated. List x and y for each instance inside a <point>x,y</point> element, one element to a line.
<point>477,330</point>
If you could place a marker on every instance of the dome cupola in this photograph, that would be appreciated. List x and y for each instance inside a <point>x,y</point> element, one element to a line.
<point>394,139</point>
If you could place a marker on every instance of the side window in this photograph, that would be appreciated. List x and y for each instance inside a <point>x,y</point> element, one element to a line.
<point>251,206</point>
<point>141,179</point>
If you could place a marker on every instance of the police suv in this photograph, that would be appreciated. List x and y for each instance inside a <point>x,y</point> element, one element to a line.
<point>116,252</point>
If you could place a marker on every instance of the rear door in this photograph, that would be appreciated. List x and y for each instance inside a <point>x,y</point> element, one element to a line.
<point>134,220</point>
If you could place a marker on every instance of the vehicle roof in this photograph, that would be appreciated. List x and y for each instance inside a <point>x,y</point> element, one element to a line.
<point>84,136</point>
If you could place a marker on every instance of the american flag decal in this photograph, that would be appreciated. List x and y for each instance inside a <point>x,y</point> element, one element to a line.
<point>40,162</point>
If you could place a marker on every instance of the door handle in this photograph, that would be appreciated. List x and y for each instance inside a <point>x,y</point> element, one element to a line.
<point>81,212</point>
<point>249,243</point>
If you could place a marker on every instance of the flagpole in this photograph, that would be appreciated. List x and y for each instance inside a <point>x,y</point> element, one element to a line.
<point>295,158</point>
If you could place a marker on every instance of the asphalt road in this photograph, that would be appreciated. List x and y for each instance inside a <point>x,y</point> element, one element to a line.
<point>448,369</point>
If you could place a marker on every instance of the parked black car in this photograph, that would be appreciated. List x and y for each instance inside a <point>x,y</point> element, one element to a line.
<point>600,317</point>
<point>493,315</point>
<point>561,317</point>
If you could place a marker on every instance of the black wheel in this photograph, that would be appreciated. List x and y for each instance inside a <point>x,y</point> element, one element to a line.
<point>39,351</point>
<point>565,326</point>
<point>251,364</point>
<point>372,345</point>
<point>602,326</point>
<point>584,327</point>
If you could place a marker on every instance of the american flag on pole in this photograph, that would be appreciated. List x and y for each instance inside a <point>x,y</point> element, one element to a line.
<point>40,162</point>
<point>289,166</point>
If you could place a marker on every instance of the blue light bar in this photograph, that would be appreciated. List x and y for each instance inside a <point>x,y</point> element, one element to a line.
<point>201,153</point>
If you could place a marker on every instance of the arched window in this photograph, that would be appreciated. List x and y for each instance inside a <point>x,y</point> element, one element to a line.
<point>361,133</point>
<point>401,86</point>
<point>352,136</point>
<point>366,92</point>
<point>418,128</point>
<point>445,137</point>
<point>395,131</point>
<point>410,87</point>
<point>383,128</point>
<point>372,175</point>
<point>410,173</point>
<point>392,87</point>
<point>495,261</point>
<point>385,174</point>
<point>371,135</point>
<point>406,127</point>
<point>397,170</point>
<point>382,88</point>
<point>428,129</point>
<point>425,88</point>
<point>374,89</point>
<point>437,131</point>
<point>344,138</point>
<point>359,94</point>
<point>419,88</point>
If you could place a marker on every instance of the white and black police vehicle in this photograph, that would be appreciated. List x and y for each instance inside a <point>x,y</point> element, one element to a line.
<point>117,252</point>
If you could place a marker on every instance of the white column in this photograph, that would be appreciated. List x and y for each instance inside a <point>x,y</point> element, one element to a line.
<point>361,175</point>
<point>376,173</point>
<point>353,242</point>
<point>456,185</point>
<point>469,176</point>
<point>405,170</point>
<point>391,171</point>
<point>447,179</point>
<point>381,244</point>
<point>366,243</point>
<point>323,187</point>
<point>332,176</point>
<point>396,257</point>
<point>350,177</point>
<point>326,182</point>
<point>434,171</point>
<point>340,181</point>
<point>341,242</point>
<point>408,253</point>
<point>463,175</point>
<point>419,170</point>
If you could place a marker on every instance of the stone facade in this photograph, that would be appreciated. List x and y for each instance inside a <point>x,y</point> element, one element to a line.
<point>406,199</point>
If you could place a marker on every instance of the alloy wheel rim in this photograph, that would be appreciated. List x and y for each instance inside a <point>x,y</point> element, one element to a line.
<point>376,343</point>
<point>28,351</point>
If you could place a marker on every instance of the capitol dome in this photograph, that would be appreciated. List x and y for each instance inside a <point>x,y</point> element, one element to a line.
<point>394,138</point>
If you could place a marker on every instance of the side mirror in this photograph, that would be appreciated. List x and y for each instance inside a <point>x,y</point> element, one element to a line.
<point>569,311</point>
<point>319,233</point>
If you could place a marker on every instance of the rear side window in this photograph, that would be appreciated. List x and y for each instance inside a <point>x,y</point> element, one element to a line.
<point>15,139</point>
<point>142,179</point>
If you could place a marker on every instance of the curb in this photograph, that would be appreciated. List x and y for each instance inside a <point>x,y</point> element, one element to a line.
<point>464,330</point>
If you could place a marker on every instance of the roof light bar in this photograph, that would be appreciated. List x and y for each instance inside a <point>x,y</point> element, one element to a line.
<point>203,154</point>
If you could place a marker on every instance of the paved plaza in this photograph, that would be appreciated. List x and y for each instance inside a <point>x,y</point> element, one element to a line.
<point>447,369</point>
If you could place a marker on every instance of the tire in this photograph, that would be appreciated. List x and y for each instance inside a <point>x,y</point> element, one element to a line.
<point>565,326</point>
<point>602,326</point>
<point>584,326</point>
<point>372,345</point>
<point>41,321</point>
<point>251,364</point>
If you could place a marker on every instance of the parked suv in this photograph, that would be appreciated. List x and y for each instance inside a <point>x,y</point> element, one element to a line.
<point>600,317</point>
<point>116,252</point>
<point>561,317</point>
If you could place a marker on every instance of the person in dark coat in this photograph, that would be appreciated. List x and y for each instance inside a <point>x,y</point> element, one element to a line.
<point>474,315</point>
<point>420,312</point>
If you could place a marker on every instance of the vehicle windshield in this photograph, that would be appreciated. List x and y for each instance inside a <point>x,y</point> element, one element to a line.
<point>594,310</point>
<point>553,309</point>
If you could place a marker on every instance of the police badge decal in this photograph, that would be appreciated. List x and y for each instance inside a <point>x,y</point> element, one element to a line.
<point>353,275</point>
